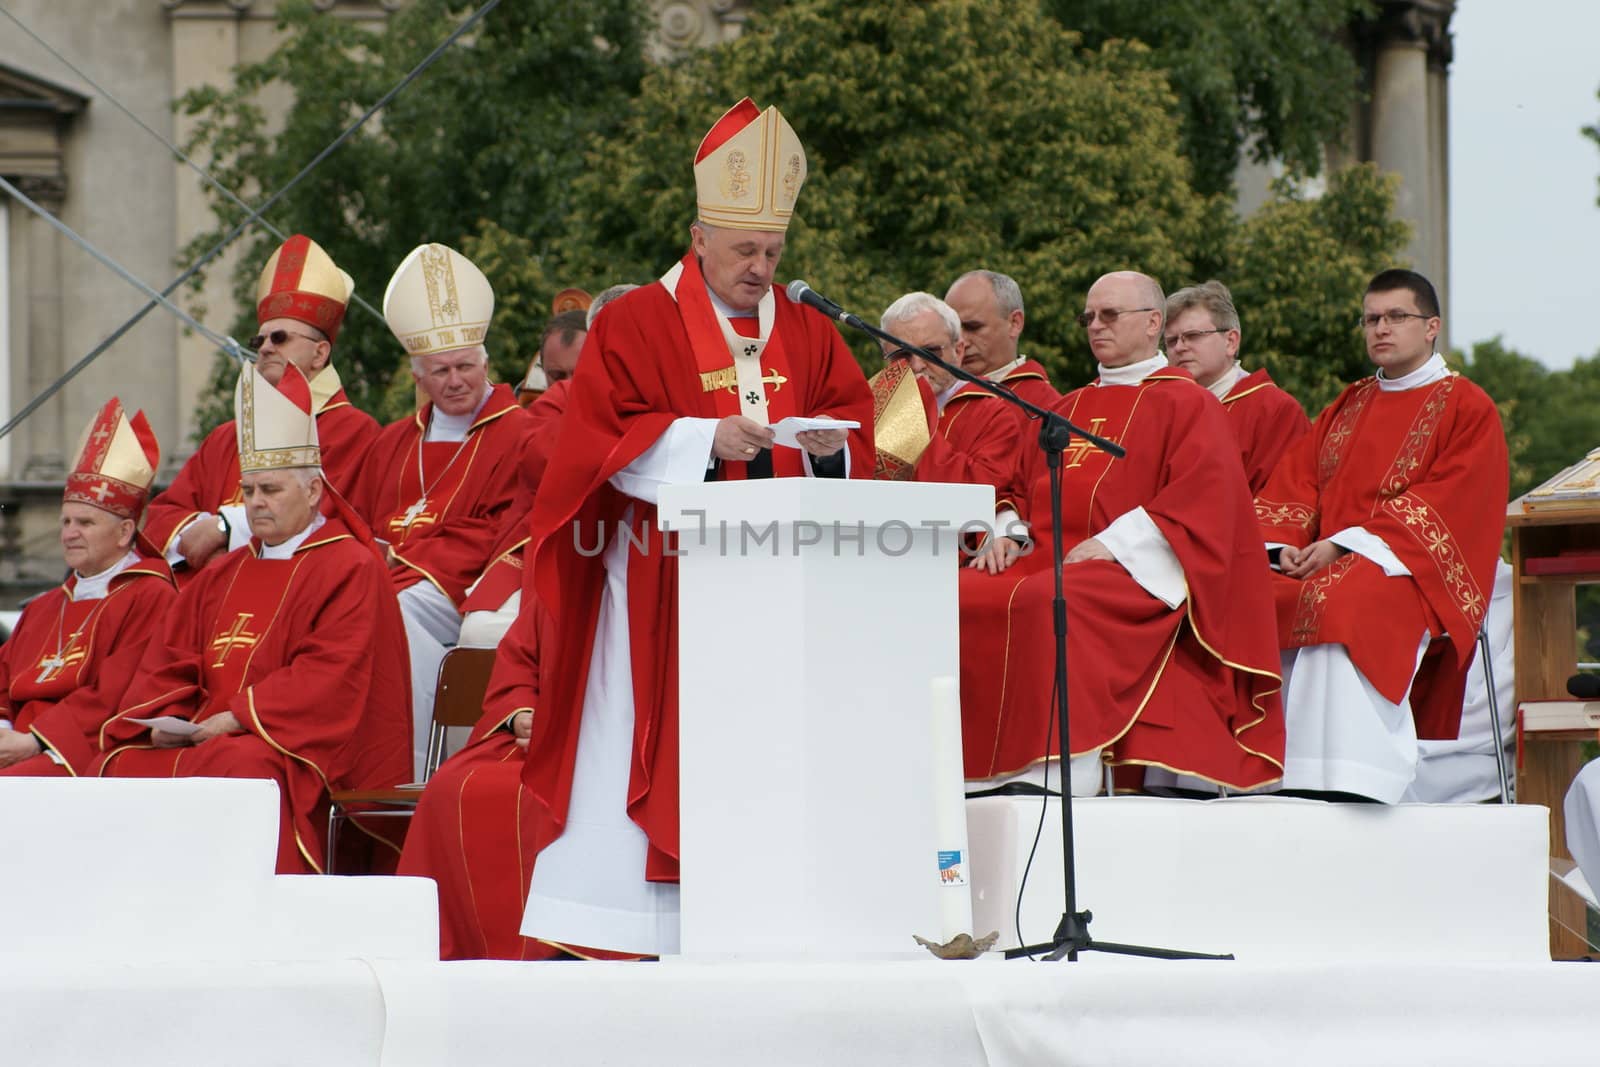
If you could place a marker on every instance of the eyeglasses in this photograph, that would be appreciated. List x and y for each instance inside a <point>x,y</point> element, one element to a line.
<point>1108,316</point>
<point>1391,318</point>
<point>906,353</point>
<point>1188,337</point>
<point>279,338</point>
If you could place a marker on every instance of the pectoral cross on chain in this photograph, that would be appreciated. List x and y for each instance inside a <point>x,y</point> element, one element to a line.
<point>413,513</point>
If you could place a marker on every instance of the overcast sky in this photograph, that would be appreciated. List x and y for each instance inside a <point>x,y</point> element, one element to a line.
<point>1524,223</point>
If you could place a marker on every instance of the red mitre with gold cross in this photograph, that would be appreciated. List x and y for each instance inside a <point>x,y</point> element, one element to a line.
<point>749,169</point>
<point>116,463</point>
<point>301,282</point>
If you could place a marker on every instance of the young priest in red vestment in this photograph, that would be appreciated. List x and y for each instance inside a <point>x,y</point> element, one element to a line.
<point>286,657</point>
<point>64,668</point>
<point>1389,515</point>
<point>1202,337</point>
<point>972,438</point>
<point>436,484</point>
<point>1172,662</point>
<point>678,383</point>
<point>300,303</point>
<point>989,305</point>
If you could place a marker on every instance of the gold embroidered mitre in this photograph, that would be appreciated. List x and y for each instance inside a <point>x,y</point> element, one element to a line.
<point>900,419</point>
<point>116,462</point>
<point>438,301</point>
<point>301,282</point>
<point>275,424</point>
<point>749,170</point>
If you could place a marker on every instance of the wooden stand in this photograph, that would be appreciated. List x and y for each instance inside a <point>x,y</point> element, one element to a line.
<point>1546,642</point>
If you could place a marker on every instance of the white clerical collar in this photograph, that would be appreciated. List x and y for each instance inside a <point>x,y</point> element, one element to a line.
<point>949,391</point>
<point>1226,381</point>
<point>442,427</point>
<point>96,586</point>
<point>1133,373</point>
<point>287,548</point>
<point>727,310</point>
<point>1430,372</point>
<point>999,373</point>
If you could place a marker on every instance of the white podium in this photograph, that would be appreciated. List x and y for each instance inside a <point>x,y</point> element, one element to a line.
<point>814,616</point>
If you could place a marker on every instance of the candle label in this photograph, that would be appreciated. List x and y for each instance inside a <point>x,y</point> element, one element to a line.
<point>951,870</point>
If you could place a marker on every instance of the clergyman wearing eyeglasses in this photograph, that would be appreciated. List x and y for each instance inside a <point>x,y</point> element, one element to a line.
<point>1386,520</point>
<point>1172,659</point>
<point>300,305</point>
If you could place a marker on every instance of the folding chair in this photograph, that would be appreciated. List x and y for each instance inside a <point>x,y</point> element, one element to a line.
<point>458,701</point>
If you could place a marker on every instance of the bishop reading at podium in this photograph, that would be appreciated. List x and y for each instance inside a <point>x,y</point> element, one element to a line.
<point>679,382</point>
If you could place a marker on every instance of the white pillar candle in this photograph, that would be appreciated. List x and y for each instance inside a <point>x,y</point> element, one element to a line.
<point>950,810</point>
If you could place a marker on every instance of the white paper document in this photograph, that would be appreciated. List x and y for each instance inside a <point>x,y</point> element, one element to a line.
<point>170,724</point>
<point>785,429</point>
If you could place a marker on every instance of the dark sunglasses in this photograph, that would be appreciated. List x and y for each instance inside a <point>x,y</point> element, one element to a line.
<point>279,338</point>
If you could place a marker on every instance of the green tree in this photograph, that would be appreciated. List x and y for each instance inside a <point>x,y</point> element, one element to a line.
<point>1274,76</point>
<point>1298,268</point>
<point>493,128</point>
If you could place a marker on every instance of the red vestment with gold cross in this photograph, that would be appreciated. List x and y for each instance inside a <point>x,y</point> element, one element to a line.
<point>1425,469</point>
<point>441,520</point>
<point>1266,420</point>
<point>650,360</point>
<point>308,653</point>
<point>975,442</point>
<point>64,669</point>
<point>1194,688</point>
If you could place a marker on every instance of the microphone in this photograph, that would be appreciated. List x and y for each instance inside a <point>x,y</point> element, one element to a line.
<point>801,293</point>
<point>1584,686</point>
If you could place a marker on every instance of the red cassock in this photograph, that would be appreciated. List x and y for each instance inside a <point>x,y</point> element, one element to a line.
<point>503,575</point>
<point>210,477</point>
<point>641,369</point>
<point>64,669</point>
<point>310,656</point>
<point>1266,421</point>
<point>1029,381</point>
<point>441,518</point>
<point>975,442</point>
<point>1195,688</point>
<point>1425,469</point>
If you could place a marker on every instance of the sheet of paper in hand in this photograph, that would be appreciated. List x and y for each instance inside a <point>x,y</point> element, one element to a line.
<point>785,429</point>
<point>170,724</point>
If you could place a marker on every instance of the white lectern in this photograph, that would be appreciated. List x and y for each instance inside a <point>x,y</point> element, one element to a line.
<point>815,617</point>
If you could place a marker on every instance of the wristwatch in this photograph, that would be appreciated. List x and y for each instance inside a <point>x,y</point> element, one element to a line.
<point>223,528</point>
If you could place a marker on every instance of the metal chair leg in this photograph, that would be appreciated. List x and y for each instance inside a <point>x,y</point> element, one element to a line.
<point>1494,715</point>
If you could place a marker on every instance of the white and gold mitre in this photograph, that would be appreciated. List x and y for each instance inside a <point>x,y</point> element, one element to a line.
<point>438,301</point>
<point>115,462</point>
<point>275,424</point>
<point>749,170</point>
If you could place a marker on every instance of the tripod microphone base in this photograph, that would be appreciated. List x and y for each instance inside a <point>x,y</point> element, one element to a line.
<point>1072,937</point>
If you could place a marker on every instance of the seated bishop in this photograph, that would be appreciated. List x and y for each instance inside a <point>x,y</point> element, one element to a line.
<point>65,666</point>
<point>1202,337</point>
<point>971,435</point>
<point>1171,657</point>
<point>300,304</point>
<point>436,484</point>
<point>285,660</point>
<point>1386,522</point>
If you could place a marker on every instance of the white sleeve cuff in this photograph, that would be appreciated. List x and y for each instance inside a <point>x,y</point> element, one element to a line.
<point>1007,523</point>
<point>1362,543</point>
<point>238,525</point>
<point>1142,549</point>
<point>679,456</point>
<point>174,554</point>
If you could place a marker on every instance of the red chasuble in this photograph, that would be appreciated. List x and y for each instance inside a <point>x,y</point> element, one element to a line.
<point>65,668</point>
<point>441,521</point>
<point>503,575</point>
<point>1194,689</point>
<point>975,442</point>
<point>650,360</point>
<point>1425,469</point>
<point>1266,421</point>
<point>1029,381</point>
<point>210,477</point>
<point>310,656</point>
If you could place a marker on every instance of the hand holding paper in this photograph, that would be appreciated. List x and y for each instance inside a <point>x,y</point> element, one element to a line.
<point>784,430</point>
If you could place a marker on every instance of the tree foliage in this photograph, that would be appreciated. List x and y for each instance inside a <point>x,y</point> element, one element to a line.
<point>1552,418</point>
<point>1273,77</point>
<point>493,128</point>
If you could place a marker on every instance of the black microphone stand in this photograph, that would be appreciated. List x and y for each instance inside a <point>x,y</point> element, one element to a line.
<point>1055,433</point>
